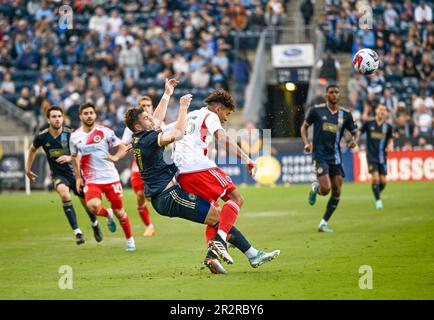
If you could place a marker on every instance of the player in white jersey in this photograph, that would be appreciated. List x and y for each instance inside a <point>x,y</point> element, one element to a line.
<point>136,181</point>
<point>95,165</point>
<point>200,175</point>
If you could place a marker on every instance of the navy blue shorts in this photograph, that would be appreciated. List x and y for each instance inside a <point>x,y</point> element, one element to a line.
<point>323,168</point>
<point>176,202</point>
<point>381,168</point>
<point>68,181</point>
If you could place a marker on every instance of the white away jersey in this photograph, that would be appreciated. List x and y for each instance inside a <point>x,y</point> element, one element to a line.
<point>191,151</point>
<point>94,149</point>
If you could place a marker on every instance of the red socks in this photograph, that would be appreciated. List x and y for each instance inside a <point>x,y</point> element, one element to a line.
<point>210,232</point>
<point>144,214</point>
<point>102,212</point>
<point>126,225</point>
<point>228,216</point>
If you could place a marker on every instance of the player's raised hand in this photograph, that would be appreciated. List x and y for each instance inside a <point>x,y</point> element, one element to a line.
<point>112,158</point>
<point>63,159</point>
<point>129,148</point>
<point>32,176</point>
<point>308,148</point>
<point>170,85</point>
<point>251,167</point>
<point>185,101</point>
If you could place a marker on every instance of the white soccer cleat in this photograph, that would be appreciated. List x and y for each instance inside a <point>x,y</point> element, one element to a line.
<point>218,246</point>
<point>263,257</point>
<point>131,245</point>
<point>379,204</point>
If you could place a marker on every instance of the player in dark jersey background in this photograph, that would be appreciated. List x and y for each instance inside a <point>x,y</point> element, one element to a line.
<point>379,140</point>
<point>329,124</point>
<point>55,142</point>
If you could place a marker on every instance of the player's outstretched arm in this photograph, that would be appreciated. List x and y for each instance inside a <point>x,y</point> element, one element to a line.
<point>121,152</point>
<point>304,136</point>
<point>160,111</point>
<point>178,130</point>
<point>30,158</point>
<point>232,148</point>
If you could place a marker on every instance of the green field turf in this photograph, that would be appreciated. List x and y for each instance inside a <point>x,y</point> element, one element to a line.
<point>396,242</point>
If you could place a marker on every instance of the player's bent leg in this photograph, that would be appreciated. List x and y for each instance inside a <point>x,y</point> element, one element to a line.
<point>143,210</point>
<point>320,187</point>
<point>69,210</point>
<point>97,233</point>
<point>125,223</point>
<point>95,207</point>
<point>376,189</point>
<point>336,185</point>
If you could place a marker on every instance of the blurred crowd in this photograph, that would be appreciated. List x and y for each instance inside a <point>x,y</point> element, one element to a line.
<point>118,50</point>
<point>402,34</point>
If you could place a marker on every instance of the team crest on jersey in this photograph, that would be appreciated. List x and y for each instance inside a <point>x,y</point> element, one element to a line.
<point>97,139</point>
<point>192,197</point>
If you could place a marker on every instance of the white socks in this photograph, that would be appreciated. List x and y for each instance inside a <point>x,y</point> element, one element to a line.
<point>222,234</point>
<point>251,253</point>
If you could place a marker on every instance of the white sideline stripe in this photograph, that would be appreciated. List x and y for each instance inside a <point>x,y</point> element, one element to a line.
<point>269,214</point>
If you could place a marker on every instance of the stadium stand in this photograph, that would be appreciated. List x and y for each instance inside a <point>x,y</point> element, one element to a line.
<point>119,50</point>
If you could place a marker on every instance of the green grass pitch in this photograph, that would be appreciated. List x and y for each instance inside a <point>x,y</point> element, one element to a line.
<point>397,242</point>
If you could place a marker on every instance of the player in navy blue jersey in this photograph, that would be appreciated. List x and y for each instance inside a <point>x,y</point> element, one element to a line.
<point>329,122</point>
<point>55,142</point>
<point>378,141</point>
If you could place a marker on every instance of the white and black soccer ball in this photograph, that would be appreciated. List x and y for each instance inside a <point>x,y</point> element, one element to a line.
<point>366,61</point>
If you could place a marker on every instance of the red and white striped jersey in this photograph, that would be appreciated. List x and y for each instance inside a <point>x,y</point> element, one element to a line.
<point>192,150</point>
<point>94,149</point>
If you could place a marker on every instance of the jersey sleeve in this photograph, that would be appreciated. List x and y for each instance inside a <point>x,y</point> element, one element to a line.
<point>311,116</point>
<point>112,139</point>
<point>38,141</point>
<point>212,123</point>
<point>350,124</point>
<point>389,134</point>
<point>127,137</point>
<point>167,127</point>
<point>72,147</point>
<point>151,140</point>
<point>364,127</point>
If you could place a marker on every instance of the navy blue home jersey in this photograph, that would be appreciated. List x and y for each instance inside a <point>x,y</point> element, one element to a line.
<point>328,130</point>
<point>377,136</point>
<point>54,148</point>
<point>155,168</point>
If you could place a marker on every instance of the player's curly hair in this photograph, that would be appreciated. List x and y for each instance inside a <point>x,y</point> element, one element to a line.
<point>132,117</point>
<point>221,97</point>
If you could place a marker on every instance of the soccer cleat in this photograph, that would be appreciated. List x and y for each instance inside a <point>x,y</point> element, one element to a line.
<point>97,233</point>
<point>213,263</point>
<point>111,225</point>
<point>149,232</point>
<point>313,193</point>
<point>79,239</point>
<point>379,204</point>
<point>324,228</point>
<point>263,257</point>
<point>131,245</point>
<point>218,246</point>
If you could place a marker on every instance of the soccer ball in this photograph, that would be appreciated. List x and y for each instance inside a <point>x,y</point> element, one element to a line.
<point>366,61</point>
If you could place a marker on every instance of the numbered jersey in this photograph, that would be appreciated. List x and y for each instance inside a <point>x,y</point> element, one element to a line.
<point>94,149</point>
<point>191,152</point>
<point>127,138</point>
